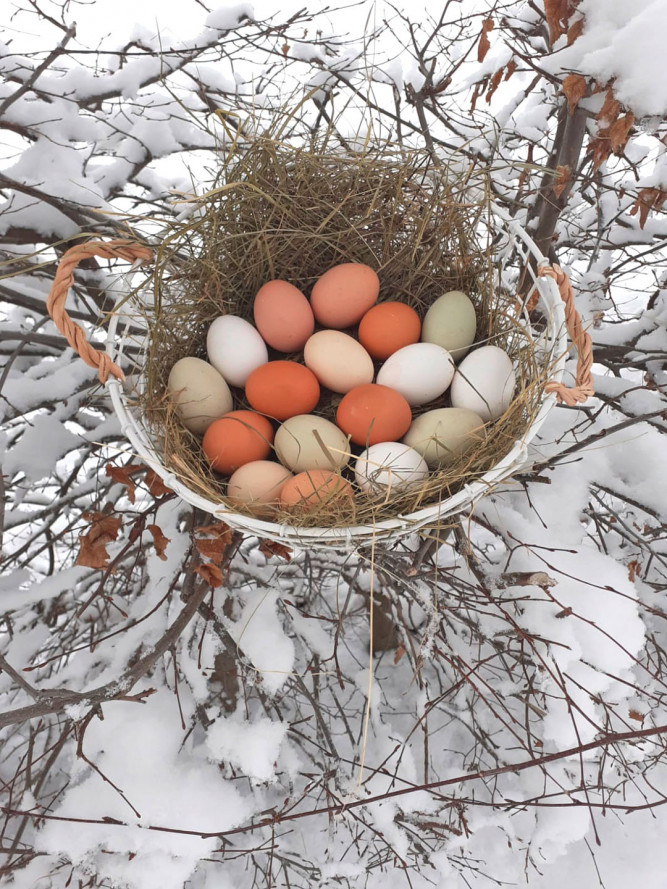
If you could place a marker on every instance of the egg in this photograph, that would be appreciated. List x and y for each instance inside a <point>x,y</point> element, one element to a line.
<point>315,489</point>
<point>343,295</point>
<point>308,442</point>
<point>282,389</point>
<point>386,328</point>
<point>451,323</point>
<point>283,316</point>
<point>235,348</point>
<point>338,361</point>
<point>389,466</point>
<point>200,393</point>
<point>420,372</point>
<point>257,484</point>
<point>373,413</point>
<point>484,382</point>
<point>442,435</point>
<point>235,439</point>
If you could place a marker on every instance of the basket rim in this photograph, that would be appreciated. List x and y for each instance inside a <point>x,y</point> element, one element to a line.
<point>347,537</point>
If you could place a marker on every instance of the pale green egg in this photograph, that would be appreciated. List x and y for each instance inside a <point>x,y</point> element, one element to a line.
<point>451,323</point>
<point>442,435</point>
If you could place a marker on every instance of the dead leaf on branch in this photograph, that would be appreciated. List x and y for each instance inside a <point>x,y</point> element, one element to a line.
<point>211,574</point>
<point>493,86</point>
<point>212,545</point>
<point>562,179</point>
<point>619,131</point>
<point>574,87</point>
<point>271,548</point>
<point>159,540</point>
<point>93,545</point>
<point>558,13</point>
<point>575,31</point>
<point>155,484</point>
<point>634,567</point>
<point>610,108</point>
<point>648,199</point>
<point>122,475</point>
<point>484,44</point>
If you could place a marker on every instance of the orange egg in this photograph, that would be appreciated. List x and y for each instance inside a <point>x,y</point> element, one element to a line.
<point>372,413</point>
<point>237,438</point>
<point>317,487</point>
<point>283,316</point>
<point>282,389</point>
<point>343,295</point>
<point>386,328</point>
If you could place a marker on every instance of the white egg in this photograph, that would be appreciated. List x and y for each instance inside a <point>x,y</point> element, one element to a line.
<point>484,383</point>
<point>420,372</point>
<point>235,348</point>
<point>389,466</point>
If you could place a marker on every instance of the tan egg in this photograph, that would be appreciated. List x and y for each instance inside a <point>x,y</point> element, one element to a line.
<point>200,393</point>
<point>338,361</point>
<point>451,323</point>
<point>442,435</point>
<point>308,442</point>
<point>257,484</point>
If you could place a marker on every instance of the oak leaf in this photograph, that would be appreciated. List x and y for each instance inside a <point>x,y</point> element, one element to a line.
<point>159,540</point>
<point>484,44</point>
<point>93,545</point>
<point>574,87</point>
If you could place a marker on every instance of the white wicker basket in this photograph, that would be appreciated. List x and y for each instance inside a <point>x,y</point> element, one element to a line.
<point>551,343</point>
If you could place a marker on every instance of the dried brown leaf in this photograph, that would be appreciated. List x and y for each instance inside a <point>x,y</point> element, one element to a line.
<point>610,108</point>
<point>155,484</point>
<point>159,540</point>
<point>284,48</point>
<point>574,87</point>
<point>558,14</point>
<point>211,574</point>
<point>636,715</point>
<point>634,567</point>
<point>574,31</point>
<point>213,550</point>
<point>620,130</point>
<point>93,545</point>
<point>122,475</point>
<point>271,548</point>
<point>562,179</point>
<point>493,86</point>
<point>510,68</point>
<point>600,149</point>
<point>484,44</point>
<point>648,199</point>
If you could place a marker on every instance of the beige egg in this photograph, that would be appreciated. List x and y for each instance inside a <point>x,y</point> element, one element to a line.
<point>200,393</point>
<point>442,435</point>
<point>307,442</point>
<point>258,483</point>
<point>451,323</point>
<point>338,361</point>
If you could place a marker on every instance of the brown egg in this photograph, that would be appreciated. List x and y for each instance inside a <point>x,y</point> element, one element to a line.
<point>343,295</point>
<point>237,438</point>
<point>338,361</point>
<point>314,489</point>
<point>258,483</point>
<point>282,389</point>
<point>386,328</point>
<point>372,413</point>
<point>283,316</point>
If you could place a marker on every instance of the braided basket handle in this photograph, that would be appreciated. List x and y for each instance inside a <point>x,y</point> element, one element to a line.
<point>583,388</point>
<point>55,302</point>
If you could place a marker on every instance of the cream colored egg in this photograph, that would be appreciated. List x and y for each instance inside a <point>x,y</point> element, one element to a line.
<point>484,382</point>
<point>451,323</point>
<point>389,466</point>
<point>307,442</point>
<point>338,361</point>
<point>258,483</point>
<point>442,435</point>
<point>200,393</point>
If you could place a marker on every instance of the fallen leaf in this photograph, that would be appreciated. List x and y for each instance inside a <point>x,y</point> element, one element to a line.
<point>484,45</point>
<point>574,87</point>
<point>271,548</point>
<point>562,179</point>
<point>159,540</point>
<point>93,545</point>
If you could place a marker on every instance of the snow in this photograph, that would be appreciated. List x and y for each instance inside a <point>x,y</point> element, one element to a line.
<point>624,41</point>
<point>253,747</point>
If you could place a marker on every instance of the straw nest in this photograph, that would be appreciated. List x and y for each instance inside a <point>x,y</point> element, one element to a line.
<point>279,211</point>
